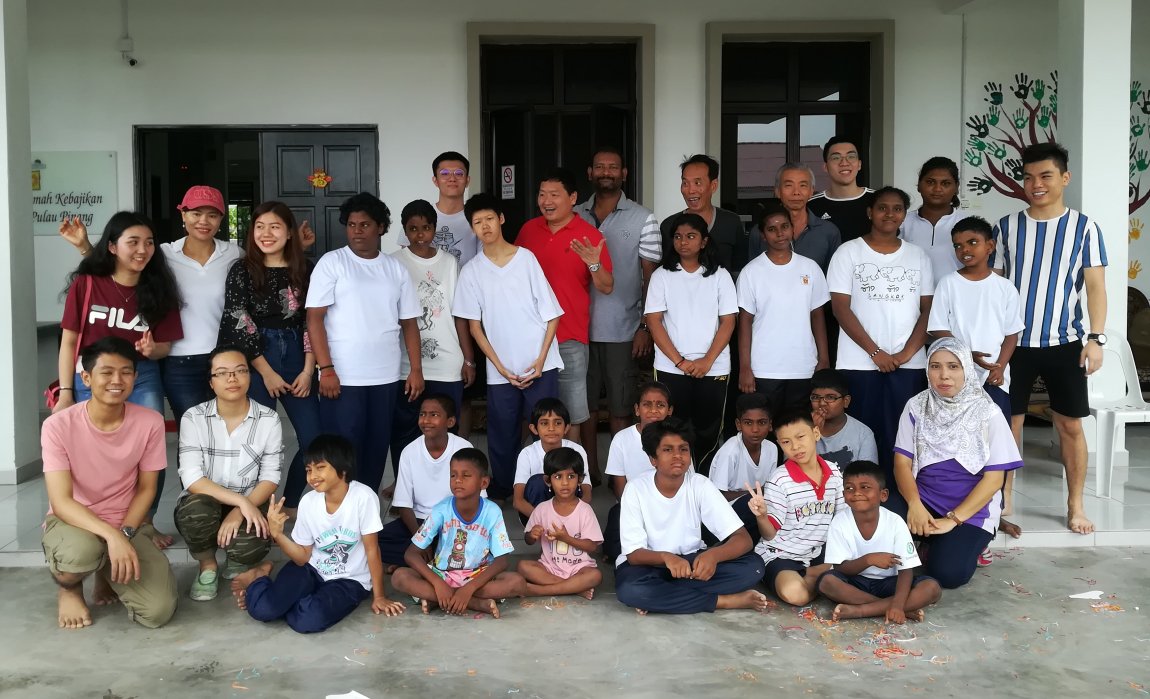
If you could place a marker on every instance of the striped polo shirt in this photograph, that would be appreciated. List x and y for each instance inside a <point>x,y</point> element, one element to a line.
<point>801,510</point>
<point>1045,260</point>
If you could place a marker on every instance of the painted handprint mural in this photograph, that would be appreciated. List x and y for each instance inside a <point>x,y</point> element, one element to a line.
<point>1024,111</point>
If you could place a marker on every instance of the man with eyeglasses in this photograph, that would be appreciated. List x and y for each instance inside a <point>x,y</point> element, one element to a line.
<point>618,334</point>
<point>450,175</point>
<point>844,203</point>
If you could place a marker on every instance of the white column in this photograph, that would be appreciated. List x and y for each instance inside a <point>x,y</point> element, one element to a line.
<point>19,407</point>
<point>1094,124</point>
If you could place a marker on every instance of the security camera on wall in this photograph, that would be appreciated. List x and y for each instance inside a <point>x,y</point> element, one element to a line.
<point>131,60</point>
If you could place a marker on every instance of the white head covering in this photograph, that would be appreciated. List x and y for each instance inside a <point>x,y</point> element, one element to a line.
<point>953,428</point>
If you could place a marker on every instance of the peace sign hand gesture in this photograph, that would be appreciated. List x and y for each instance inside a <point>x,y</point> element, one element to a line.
<point>277,518</point>
<point>757,503</point>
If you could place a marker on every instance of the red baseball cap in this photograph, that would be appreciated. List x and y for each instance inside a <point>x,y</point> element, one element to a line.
<point>203,195</point>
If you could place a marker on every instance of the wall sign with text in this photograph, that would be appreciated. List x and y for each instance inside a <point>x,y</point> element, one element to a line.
<point>73,183</point>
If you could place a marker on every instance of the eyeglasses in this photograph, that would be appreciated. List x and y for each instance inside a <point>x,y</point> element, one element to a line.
<point>824,399</point>
<point>230,373</point>
<point>839,157</point>
<point>458,172</point>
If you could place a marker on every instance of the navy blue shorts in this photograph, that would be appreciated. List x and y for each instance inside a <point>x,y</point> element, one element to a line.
<point>779,565</point>
<point>876,587</point>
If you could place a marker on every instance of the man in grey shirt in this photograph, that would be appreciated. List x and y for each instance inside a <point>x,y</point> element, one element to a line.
<point>698,184</point>
<point>815,237</point>
<point>617,332</point>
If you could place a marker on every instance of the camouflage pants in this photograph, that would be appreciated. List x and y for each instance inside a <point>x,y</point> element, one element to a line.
<point>198,518</point>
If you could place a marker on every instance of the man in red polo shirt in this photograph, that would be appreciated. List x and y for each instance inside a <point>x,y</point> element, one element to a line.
<point>573,256</point>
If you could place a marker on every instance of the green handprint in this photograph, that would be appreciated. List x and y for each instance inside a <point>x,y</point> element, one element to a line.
<point>1141,161</point>
<point>1137,127</point>
<point>973,157</point>
<point>1044,117</point>
<point>1020,119</point>
<point>1039,89</point>
<point>1135,91</point>
<point>977,143</point>
<point>1053,102</point>
<point>998,150</point>
<point>993,114</point>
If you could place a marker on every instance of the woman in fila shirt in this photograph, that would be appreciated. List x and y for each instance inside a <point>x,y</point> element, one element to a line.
<point>691,311</point>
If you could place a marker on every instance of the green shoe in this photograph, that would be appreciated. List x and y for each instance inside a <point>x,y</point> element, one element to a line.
<point>233,569</point>
<point>205,586</point>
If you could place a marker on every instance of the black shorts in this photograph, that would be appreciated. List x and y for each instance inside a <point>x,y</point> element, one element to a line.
<point>778,565</point>
<point>1058,367</point>
<point>875,587</point>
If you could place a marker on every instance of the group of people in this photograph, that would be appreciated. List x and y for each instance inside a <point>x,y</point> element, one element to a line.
<point>371,354</point>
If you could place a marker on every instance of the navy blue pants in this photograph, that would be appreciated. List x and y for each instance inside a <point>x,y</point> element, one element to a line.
<point>363,415</point>
<point>952,558</point>
<point>186,382</point>
<point>283,351</point>
<point>405,422</point>
<point>702,403</point>
<point>877,400</point>
<point>612,548</point>
<point>742,507</point>
<point>654,590</point>
<point>507,407</point>
<point>303,599</point>
<point>394,539</point>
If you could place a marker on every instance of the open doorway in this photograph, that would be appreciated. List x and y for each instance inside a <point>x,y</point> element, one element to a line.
<point>254,164</point>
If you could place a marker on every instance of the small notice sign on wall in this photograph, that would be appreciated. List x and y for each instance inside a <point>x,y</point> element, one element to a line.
<point>73,183</point>
<point>507,182</point>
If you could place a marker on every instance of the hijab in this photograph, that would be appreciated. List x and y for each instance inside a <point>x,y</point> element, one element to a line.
<point>953,428</point>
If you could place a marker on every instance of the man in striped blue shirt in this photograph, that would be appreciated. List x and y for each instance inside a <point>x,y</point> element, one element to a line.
<point>1051,253</point>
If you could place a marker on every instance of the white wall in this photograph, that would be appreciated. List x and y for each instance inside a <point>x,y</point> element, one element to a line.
<point>403,66</point>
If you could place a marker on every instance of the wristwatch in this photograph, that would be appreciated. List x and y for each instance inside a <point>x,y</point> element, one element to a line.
<point>128,531</point>
<point>594,268</point>
<point>953,517</point>
<point>1100,338</point>
<point>468,362</point>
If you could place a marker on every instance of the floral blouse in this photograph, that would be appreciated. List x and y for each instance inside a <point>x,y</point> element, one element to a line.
<point>278,306</point>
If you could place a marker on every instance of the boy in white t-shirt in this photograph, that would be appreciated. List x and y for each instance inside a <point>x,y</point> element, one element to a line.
<point>333,549</point>
<point>665,566</point>
<point>746,459</point>
<point>782,328</point>
<point>444,340</point>
<point>424,475</point>
<point>872,556</point>
<point>513,316</point>
<point>549,422</point>
<point>794,509</point>
<point>984,310</point>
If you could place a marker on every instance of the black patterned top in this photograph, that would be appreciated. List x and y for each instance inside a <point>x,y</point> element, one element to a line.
<point>278,306</point>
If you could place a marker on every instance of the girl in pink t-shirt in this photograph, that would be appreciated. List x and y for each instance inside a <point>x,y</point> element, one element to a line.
<point>568,531</point>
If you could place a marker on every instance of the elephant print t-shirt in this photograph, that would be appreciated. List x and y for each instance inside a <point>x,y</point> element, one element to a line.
<point>885,291</point>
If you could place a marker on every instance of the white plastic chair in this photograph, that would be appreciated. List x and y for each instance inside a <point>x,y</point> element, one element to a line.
<point>1115,400</point>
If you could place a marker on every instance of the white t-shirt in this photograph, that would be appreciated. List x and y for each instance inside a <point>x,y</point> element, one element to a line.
<point>336,540</point>
<point>453,235</point>
<point>691,305</point>
<point>733,466</point>
<point>423,481</point>
<point>781,298</point>
<point>846,543</point>
<point>885,291</point>
<point>434,282</point>
<point>530,461</point>
<point>934,239</point>
<point>202,291</point>
<point>647,520</point>
<point>365,301</point>
<point>980,313</point>
<point>515,302</point>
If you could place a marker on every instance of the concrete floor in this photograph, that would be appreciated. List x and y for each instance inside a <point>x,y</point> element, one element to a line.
<point>1012,632</point>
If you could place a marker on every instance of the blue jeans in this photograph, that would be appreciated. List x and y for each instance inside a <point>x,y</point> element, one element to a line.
<point>147,391</point>
<point>303,599</point>
<point>507,407</point>
<point>363,415</point>
<point>186,382</point>
<point>653,589</point>
<point>405,423</point>
<point>283,351</point>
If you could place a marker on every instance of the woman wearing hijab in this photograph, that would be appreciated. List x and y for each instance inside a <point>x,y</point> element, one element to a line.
<point>951,454</point>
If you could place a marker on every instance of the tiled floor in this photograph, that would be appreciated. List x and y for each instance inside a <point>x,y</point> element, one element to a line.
<point>1040,501</point>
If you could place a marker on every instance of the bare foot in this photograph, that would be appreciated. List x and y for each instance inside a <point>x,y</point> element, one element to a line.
<point>423,605</point>
<point>750,599</point>
<point>486,606</point>
<point>587,594</point>
<point>241,582</point>
<point>641,612</point>
<point>1009,528</point>
<point>1077,522</point>
<point>160,539</point>
<point>847,611</point>
<point>103,593</point>
<point>73,612</point>
<point>916,615</point>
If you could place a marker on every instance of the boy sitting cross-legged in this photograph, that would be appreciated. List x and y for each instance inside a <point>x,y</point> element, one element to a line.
<point>665,567</point>
<point>468,571</point>
<point>872,555</point>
